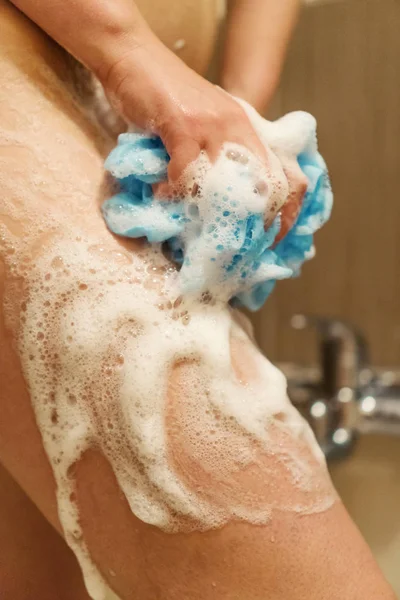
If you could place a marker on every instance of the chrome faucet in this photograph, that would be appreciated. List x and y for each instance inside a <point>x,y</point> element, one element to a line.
<point>344,396</point>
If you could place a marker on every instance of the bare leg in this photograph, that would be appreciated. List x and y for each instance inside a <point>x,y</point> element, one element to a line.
<point>35,561</point>
<point>51,163</point>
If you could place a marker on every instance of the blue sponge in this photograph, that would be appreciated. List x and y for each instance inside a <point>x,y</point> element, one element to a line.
<point>230,251</point>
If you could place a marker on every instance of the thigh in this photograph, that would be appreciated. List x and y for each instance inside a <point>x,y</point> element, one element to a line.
<point>35,561</point>
<point>51,155</point>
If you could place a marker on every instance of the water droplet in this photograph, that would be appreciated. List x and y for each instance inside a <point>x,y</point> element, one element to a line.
<point>57,263</point>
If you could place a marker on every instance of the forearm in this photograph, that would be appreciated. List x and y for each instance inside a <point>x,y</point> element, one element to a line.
<point>258,33</point>
<point>96,32</point>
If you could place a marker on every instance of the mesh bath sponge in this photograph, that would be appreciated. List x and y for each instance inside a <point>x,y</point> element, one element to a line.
<point>218,237</point>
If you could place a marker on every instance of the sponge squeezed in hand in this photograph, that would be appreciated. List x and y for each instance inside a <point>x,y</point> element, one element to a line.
<point>218,227</point>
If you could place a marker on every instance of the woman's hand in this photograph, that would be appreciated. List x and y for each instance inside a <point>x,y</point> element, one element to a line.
<point>153,89</point>
<point>148,85</point>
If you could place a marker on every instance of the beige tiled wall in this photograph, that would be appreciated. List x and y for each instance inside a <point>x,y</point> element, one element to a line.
<point>344,67</point>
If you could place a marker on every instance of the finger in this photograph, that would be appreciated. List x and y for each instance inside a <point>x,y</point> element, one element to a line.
<point>182,153</point>
<point>290,211</point>
<point>164,190</point>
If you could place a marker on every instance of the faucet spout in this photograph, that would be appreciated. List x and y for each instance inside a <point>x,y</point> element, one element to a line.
<point>345,397</point>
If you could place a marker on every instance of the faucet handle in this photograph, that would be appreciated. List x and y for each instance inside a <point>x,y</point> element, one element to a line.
<point>343,352</point>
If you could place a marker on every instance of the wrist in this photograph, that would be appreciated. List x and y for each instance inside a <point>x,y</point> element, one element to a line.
<point>137,80</point>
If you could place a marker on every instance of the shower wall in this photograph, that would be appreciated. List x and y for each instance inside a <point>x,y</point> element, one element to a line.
<point>344,67</point>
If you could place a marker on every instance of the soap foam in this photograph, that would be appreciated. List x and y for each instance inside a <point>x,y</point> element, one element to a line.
<point>101,332</point>
<point>237,224</point>
<point>98,345</point>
